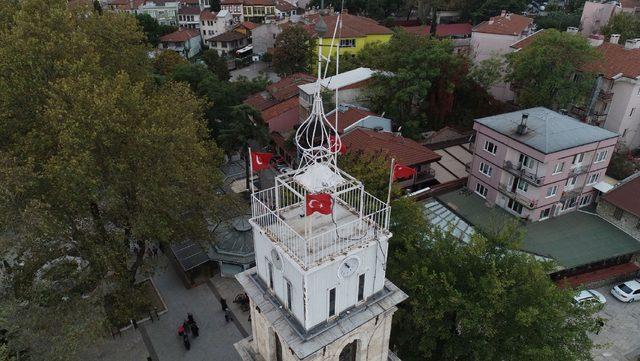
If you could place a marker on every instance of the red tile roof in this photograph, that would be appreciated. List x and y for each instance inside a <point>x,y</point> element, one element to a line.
<point>287,87</point>
<point>260,2</point>
<point>348,117</point>
<point>189,10</point>
<point>528,40</point>
<point>284,6</point>
<point>461,29</point>
<point>192,2</point>
<point>629,4</point>
<point>352,25</point>
<point>180,35</point>
<point>615,60</point>
<point>279,108</point>
<point>286,121</point>
<point>206,14</point>
<point>509,24</point>
<point>626,196</point>
<point>261,101</point>
<point>418,30</point>
<point>228,36</point>
<point>249,25</point>
<point>405,151</point>
<point>125,4</point>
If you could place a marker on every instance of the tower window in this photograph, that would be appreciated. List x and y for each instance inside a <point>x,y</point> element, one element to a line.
<point>361,287</point>
<point>288,295</point>
<point>332,302</point>
<point>270,275</point>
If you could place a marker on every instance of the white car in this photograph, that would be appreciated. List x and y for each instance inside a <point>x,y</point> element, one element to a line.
<point>589,297</point>
<point>627,292</point>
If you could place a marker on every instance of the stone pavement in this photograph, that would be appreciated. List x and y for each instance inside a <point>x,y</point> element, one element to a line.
<point>228,288</point>
<point>620,336</point>
<point>128,347</point>
<point>216,336</point>
<point>254,70</point>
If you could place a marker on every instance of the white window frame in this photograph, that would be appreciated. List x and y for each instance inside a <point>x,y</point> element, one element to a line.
<point>486,169</point>
<point>577,159</point>
<point>571,184</point>
<point>542,216</point>
<point>584,201</point>
<point>593,178</point>
<point>601,156</point>
<point>515,204</point>
<point>552,191</point>
<point>558,168</point>
<point>522,186</point>
<point>480,189</point>
<point>490,145</point>
<point>527,161</point>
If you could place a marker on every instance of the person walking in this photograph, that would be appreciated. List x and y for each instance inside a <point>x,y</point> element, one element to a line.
<point>223,303</point>
<point>227,315</point>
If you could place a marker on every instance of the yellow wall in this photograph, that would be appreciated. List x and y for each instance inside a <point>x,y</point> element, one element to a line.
<point>360,43</point>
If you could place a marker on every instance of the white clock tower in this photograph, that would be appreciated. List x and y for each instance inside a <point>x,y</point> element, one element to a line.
<point>318,291</point>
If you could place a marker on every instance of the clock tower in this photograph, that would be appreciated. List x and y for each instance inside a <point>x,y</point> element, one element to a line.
<point>318,291</point>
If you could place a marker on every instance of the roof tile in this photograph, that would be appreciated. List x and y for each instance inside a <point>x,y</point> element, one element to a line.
<point>404,150</point>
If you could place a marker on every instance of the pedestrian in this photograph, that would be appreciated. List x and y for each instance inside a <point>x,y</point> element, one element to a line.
<point>190,318</point>
<point>187,327</point>
<point>195,330</point>
<point>186,342</point>
<point>223,303</point>
<point>227,315</point>
<point>181,331</point>
<point>155,251</point>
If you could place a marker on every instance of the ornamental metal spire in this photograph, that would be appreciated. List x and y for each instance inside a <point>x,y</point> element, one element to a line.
<point>316,139</point>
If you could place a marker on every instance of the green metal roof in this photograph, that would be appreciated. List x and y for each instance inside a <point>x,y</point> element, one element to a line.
<point>574,239</point>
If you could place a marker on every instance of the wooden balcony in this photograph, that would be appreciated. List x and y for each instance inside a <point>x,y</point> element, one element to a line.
<point>517,169</point>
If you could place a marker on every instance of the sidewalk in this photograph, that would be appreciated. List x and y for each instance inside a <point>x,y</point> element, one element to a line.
<point>228,288</point>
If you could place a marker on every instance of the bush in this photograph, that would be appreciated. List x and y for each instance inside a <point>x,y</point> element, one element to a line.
<point>620,167</point>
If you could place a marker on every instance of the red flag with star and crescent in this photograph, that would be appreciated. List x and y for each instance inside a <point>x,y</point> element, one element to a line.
<point>260,161</point>
<point>402,172</point>
<point>319,202</point>
<point>333,146</point>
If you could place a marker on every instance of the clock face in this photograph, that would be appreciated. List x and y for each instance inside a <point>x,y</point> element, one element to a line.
<point>275,259</point>
<point>349,267</point>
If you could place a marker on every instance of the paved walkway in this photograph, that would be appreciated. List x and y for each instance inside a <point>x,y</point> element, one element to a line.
<point>216,336</point>
<point>229,288</point>
<point>254,70</point>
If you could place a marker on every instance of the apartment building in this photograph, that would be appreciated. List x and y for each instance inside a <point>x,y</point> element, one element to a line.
<point>212,23</point>
<point>250,10</point>
<point>596,15</point>
<point>537,163</point>
<point>189,17</point>
<point>494,37</point>
<point>621,207</point>
<point>615,103</point>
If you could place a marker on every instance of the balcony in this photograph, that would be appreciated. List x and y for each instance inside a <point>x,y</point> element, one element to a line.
<point>574,192</point>
<point>605,95</point>
<point>422,176</point>
<point>521,198</point>
<point>522,172</point>
<point>580,169</point>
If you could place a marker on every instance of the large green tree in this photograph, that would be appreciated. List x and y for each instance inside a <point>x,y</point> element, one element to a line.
<point>293,51</point>
<point>625,24</point>
<point>95,160</point>
<point>549,71</point>
<point>479,301</point>
<point>152,29</point>
<point>216,64</point>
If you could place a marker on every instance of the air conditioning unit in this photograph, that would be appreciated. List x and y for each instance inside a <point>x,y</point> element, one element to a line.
<point>509,164</point>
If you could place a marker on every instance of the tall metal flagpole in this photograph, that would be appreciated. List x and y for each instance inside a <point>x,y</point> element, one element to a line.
<point>250,175</point>
<point>393,163</point>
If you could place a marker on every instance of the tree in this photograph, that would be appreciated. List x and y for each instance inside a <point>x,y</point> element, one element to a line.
<point>621,167</point>
<point>216,64</point>
<point>167,61</point>
<point>542,74</point>
<point>293,51</point>
<point>372,169</point>
<point>488,72</point>
<point>625,24</point>
<point>559,20</point>
<point>215,5</point>
<point>479,301</point>
<point>152,29</point>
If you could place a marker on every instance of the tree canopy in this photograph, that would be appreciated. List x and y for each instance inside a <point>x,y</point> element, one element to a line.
<point>625,24</point>
<point>216,64</point>
<point>542,76</point>
<point>293,51</point>
<point>152,29</point>
<point>96,163</point>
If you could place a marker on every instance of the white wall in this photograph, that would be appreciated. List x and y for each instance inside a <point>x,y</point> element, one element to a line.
<point>485,46</point>
<point>619,117</point>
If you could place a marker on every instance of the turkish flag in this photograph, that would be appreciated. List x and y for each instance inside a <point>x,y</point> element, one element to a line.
<point>320,202</point>
<point>333,146</point>
<point>260,161</point>
<point>403,172</point>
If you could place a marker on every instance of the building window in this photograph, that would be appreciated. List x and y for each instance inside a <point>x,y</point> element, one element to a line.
<point>585,200</point>
<point>485,169</point>
<point>270,266</point>
<point>514,206</point>
<point>601,156</point>
<point>593,178</point>
<point>617,214</point>
<point>526,161</point>
<point>481,190</point>
<point>568,203</point>
<point>288,295</point>
<point>347,43</point>
<point>571,181</point>
<point>545,213</point>
<point>361,287</point>
<point>551,191</point>
<point>558,168</point>
<point>332,302</point>
<point>490,147</point>
<point>523,186</point>
<point>577,159</point>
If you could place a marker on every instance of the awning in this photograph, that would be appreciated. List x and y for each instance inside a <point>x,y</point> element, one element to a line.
<point>603,187</point>
<point>189,255</point>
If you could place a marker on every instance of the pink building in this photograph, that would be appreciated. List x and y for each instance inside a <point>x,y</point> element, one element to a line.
<point>537,163</point>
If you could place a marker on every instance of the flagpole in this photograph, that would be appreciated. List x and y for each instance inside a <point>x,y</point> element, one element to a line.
<point>250,175</point>
<point>393,161</point>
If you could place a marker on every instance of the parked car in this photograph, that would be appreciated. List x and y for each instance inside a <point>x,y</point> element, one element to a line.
<point>627,292</point>
<point>589,297</point>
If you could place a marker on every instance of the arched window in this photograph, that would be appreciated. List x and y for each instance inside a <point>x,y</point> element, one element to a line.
<point>349,352</point>
<point>278,349</point>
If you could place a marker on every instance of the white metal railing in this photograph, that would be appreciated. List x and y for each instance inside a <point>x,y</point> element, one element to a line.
<point>269,205</point>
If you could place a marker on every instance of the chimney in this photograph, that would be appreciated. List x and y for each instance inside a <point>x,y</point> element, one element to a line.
<point>503,14</point>
<point>522,127</point>
<point>508,16</point>
<point>572,30</point>
<point>491,20</point>
<point>614,38</point>
<point>632,44</point>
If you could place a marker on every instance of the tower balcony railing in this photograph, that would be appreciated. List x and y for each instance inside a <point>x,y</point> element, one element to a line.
<point>522,172</point>
<point>357,218</point>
